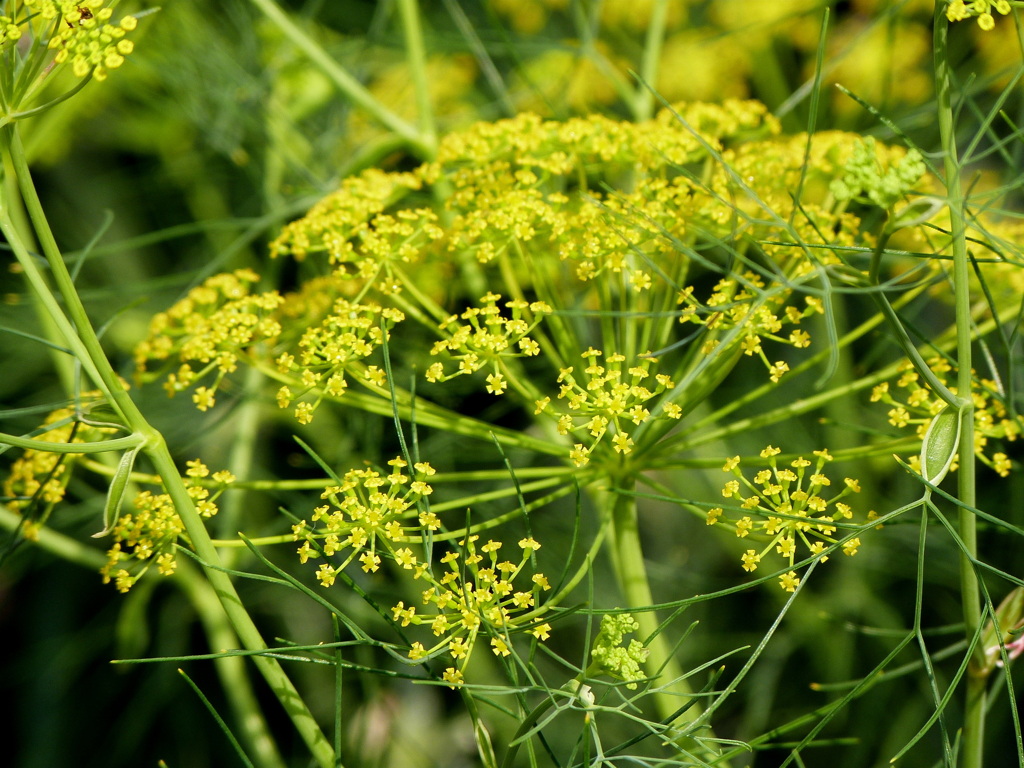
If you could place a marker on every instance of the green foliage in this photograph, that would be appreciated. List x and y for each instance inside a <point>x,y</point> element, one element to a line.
<point>438,325</point>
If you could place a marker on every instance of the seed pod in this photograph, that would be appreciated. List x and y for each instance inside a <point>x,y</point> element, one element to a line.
<point>116,491</point>
<point>940,444</point>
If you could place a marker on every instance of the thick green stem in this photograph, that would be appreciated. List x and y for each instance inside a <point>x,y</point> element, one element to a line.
<point>974,711</point>
<point>78,336</point>
<point>628,561</point>
<point>231,669</point>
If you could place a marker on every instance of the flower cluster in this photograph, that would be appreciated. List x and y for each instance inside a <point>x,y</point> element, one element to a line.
<point>85,36</point>
<point>372,516</point>
<point>512,190</point>
<point>9,31</point>
<point>354,229</point>
<point>864,177</point>
<point>150,533</point>
<point>611,656</point>
<point>39,479</point>
<point>553,211</point>
<point>369,514</point>
<point>913,404</point>
<point>476,596</point>
<point>742,304</point>
<point>210,327</point>
<point>586,234</point>
<point>482,337</point>
<point>607,398</point>
<point>790,509</point>
<point>344,339</point>
<point>982,10</point>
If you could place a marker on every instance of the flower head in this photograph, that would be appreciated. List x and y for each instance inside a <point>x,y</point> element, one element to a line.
<point>786,504</point>
<point>612,656</point>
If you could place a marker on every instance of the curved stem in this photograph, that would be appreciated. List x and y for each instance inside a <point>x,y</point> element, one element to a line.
<point>241,622</point>
<point>81,338</point>
<point>28,444</point>
<point>230,668</point>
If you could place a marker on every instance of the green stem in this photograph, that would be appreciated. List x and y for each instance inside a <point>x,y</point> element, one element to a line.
<point>201,595</point>
<point>240,619</point>
<point>974,710</point>
<point>643,106</point>
<point>417,61</point>
<point>902,337</point>
<point>345,83</point>
<point>74,326</point>
<point>14,212</point>
<point>28,444</point>
<point>81,338</point>
<point>378,401</point>
<point>230,669</point>
<point>628,561</point>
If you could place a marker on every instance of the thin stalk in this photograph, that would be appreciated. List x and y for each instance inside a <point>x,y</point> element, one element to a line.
<point>972,746</point>
<point>346,83</point>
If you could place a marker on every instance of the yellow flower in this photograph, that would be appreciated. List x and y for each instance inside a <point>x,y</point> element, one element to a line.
<point>957,11</point>
<point>789,581</point>
<point>496,384</point>
<point>204,398</point>
<point>750,560</point>
<point>500,647</point>
<point>417,651</point>
<point>453,677</point>
<point>541,632</point>
<point>623,443</point>
<point>370,562</point>
<point>326,574</point>
<point>789,509</point>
